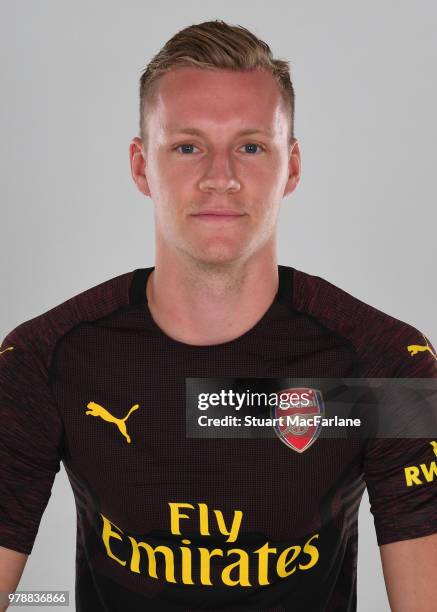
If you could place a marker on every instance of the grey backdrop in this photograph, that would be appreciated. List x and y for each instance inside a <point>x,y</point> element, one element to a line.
<point>362,216</point>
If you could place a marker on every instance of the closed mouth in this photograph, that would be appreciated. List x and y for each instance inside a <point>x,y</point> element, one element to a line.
<point>219,213</point>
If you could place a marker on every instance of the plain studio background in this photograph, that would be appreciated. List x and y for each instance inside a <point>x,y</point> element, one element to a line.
<point>361,217</point>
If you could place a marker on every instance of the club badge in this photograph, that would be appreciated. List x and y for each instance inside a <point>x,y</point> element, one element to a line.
<point>298,412</point>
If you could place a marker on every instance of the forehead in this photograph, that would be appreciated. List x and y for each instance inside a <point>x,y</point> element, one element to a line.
<point>211,98</point>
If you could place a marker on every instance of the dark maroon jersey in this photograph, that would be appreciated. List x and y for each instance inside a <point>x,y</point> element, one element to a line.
<point>167,522</point>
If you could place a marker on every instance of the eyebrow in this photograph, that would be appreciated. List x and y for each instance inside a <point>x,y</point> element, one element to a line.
<point>245,132</point>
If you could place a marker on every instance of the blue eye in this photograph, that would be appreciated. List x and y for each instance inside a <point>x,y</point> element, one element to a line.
<point>252,146</point>
<point>186,148</point>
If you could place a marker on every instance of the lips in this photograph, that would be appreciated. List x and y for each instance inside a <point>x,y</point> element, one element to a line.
<point>219,212</point>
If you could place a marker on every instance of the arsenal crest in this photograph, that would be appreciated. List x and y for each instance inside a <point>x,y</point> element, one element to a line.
<point>298,415</point>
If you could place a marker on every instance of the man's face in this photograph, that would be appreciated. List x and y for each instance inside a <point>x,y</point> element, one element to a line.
<point>217,143</point>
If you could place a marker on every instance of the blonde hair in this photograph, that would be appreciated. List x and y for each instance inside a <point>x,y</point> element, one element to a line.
<point>215,45</point>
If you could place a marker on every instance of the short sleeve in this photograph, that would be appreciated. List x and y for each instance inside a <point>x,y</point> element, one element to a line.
<point>401,478</point>
<point>30,440</point>
<point>401,474</point>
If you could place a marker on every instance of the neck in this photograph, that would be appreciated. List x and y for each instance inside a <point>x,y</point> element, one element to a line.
<point>200,303</point>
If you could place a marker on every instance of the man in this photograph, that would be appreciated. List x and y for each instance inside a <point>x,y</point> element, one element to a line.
<point>176,523</point>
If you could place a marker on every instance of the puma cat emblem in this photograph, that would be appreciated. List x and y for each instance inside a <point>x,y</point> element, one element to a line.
<point>413,349</point>
<point>10,348</point>
<point>99,411</point>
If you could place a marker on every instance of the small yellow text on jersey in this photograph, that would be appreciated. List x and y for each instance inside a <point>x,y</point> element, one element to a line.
<point>425,472</point>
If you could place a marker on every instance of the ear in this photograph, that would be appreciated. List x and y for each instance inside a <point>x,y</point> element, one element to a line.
<point>294,166</point>
<point>138,165</point>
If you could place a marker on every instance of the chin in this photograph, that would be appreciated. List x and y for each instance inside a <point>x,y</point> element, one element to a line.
<point>217,256</point>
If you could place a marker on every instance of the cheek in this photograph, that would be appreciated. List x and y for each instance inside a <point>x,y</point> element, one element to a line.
<point>264,190</point>
<point>262,177</point>
<point>163,186</point>
<point>175,182</point>
<point>171,199</point>
<point>274,190</point>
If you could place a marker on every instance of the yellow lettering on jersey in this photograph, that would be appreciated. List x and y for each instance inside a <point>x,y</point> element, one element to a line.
<point>263,563</point>
<point>205,566</point>
<point>235,527</point>
<point>187,563</point>
<point>312,551</point>
<point>151,558</point>
<point>176,515</point>
<point>429,473</point>
<point>108,533</point>
<point>144,556</point>
<point>413,473</point>
<point>242,565</point>
<point>285,560</point>
<point>203,519</point>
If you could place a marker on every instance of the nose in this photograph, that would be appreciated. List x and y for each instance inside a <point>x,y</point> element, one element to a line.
<point>219,175</point>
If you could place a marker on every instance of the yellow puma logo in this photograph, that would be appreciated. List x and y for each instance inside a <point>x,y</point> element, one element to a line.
<point>419,348</point>
<point>10,348</point>
<point>97,410</point>
<point>434,447</point>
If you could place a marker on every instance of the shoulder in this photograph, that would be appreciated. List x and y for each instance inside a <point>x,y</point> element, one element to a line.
<point>37,337</point>
<point>386,346</point>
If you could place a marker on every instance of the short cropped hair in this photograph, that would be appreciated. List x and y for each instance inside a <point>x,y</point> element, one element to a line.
<point>215,45</point>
